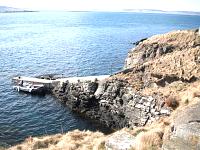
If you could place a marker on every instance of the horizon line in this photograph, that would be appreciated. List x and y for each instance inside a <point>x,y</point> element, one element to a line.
<point>105,10</point>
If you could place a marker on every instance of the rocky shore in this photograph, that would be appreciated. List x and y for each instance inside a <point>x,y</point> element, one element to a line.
<point>112,102</point>
<point>155,99</point>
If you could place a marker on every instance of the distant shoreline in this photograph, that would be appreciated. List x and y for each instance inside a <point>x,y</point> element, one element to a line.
<point>136,11</point>
<point>17,11</point>
<point>6,9</point>
<point>123,11</point>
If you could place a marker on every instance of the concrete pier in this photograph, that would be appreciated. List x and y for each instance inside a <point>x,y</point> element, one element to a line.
<point>52,83</point>
<point>86,78</point>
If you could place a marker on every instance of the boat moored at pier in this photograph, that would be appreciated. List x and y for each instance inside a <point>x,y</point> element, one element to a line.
<point>31,88</point>
<point>33,85</point>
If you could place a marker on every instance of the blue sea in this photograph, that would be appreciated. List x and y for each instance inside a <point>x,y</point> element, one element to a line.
<point>68,43</point>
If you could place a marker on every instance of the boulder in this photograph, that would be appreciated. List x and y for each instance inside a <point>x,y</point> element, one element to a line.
<point>186,130</point>
<point>120,140</point>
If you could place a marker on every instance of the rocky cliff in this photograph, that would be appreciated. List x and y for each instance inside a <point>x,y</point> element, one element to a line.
<point>164,59</point>
<point>156,96</point>
<point>112,102</point>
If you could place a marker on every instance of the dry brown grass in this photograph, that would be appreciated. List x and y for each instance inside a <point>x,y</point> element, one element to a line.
<point>149,140</point>
<point>151,137</point>
<point>83,140</point>
<point>191,95</point>
<point>74,140</point>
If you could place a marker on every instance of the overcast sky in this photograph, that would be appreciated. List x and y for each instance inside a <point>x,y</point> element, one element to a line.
<point>104,5</point>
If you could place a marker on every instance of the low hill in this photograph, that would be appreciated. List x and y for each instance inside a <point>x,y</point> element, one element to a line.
<point>5,9</point>
<point>162,11</point>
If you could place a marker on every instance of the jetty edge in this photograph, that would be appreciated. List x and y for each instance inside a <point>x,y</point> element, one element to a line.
<point>155,99</point>
<point>49,84</point>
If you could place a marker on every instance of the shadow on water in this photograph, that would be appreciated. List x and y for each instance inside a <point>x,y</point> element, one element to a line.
<point>85,123</point>
<point>94,125</point>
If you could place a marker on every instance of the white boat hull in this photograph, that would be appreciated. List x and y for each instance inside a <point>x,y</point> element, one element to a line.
<point>29,89</point>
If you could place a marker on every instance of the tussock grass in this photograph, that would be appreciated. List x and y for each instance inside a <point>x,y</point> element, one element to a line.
<point>74,140</point>
<point>196,94</point>
<point>172,102</point>
<point>149,140</point>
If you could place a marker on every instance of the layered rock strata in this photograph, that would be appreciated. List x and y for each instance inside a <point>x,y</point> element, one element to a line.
<point>112,102</point>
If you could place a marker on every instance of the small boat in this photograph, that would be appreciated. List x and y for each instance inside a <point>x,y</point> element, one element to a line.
<point>30,88</point>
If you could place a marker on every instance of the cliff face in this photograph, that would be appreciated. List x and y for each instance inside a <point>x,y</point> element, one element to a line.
<point>156,96</point>
<point>162,61</point>
<point>158,46</point>
<point>168,65</point>
<point>111,102</point>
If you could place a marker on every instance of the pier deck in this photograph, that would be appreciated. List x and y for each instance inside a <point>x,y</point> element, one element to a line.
<point>51,83</point>
<point>35,80</point>
<point>86,78</point>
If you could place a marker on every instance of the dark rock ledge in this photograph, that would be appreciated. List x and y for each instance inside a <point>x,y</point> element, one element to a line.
<point>111,102</point>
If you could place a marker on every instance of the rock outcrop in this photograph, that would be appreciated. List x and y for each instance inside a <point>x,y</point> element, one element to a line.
<point>150,71</point>
<point>160,45</point>
<point>120,140</point>
<point>111,102</point>
<point>185,130</point>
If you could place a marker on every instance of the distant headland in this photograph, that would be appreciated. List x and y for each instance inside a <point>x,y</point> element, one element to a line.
<point>5,9</point>
<point>162,11</point>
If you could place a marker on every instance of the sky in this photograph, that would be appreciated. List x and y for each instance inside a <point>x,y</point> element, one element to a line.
<point>104,5</point>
